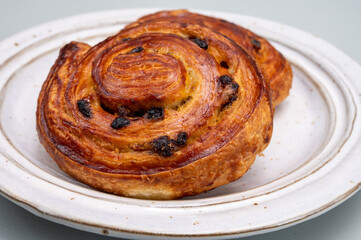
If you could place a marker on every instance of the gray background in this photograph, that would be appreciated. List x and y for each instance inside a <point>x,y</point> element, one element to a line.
<point>338,22</point>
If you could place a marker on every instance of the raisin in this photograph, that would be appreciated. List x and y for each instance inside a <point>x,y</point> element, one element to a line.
<point>224,65</point>
<point>256,44</point>
<point>126,39</point>
<point>137,50</point>
<point>200,43</point>
<point>155,113</point>
<point>162,146</point>
<point>181,138</point>
<point>84,107</point>
<point>225,79</point>
<point>120,122</point>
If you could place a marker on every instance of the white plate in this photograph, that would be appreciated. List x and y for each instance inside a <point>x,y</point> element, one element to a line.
<point>311,165</point>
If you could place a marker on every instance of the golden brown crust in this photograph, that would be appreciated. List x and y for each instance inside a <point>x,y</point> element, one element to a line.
<point>276,67</point>
<point>184,127</point>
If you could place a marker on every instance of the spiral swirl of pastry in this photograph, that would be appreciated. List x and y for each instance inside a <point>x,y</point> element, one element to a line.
<point>151,112</point>
<point>275,66</point>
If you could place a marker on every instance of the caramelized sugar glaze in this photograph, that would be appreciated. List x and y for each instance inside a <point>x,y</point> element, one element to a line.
<point>161,110</point>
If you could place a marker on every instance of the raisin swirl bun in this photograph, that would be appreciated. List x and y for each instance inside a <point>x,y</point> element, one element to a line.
<point>151,112</point>
<point>275,66</point>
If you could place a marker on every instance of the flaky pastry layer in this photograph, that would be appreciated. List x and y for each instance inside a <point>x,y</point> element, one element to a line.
<point>161,110</point>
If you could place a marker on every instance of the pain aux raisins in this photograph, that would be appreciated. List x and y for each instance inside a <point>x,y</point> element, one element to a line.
<point>137,50</point>
<point>120,122</point>
<point>200,43</point>
<point>155,113</point>
<point>84,108</point>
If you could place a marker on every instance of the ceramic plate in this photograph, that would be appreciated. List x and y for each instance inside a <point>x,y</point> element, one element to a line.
<point>311,165</point>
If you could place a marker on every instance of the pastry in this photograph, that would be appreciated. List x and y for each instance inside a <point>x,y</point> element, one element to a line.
<point>161,110</point>
<point>276,67</point>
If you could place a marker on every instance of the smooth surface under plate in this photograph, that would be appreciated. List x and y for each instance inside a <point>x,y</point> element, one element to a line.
<point>310,165</point>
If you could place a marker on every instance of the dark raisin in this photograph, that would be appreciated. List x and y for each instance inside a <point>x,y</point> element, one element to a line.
<point>162,146</point>
<point>167,152</point>
<point>200,43</point>
<point>225,79</point>
<point>160,142</point>
<point>155,113</point>
<point>224,65</point>
<point>235,86</point>
<point>84,107</point>
<point>181,138</point>
<point>256,44</point>
<point>120,122</point>
<point>137,50</point>
<point>126,39</point>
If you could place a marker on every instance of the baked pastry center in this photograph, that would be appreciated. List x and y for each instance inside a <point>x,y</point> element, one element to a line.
<point>138,80</point>
<point>164,108</point>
